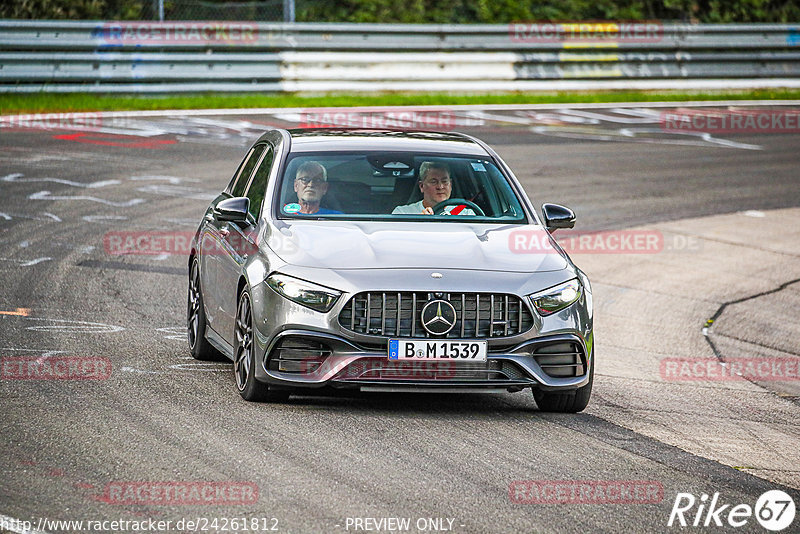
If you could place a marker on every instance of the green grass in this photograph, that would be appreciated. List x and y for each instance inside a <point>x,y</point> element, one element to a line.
<point>44,102</point>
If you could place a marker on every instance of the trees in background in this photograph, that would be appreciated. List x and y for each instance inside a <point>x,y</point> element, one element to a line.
<point>432,11</point>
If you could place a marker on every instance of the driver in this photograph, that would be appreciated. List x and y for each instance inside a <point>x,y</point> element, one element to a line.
<point>436,187</point>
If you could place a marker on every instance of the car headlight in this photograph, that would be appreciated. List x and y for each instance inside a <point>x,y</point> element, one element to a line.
<point>308,294</point>
<point>556,298</point>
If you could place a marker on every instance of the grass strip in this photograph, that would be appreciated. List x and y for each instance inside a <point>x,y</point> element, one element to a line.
<point>71,102</point>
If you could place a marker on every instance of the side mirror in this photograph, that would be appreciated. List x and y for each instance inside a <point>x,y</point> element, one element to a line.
<point>232,209</point>
<point>557,216</point>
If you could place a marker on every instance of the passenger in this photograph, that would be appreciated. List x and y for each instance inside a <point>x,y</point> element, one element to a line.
<point>310,184</point>
<point>436,187</point>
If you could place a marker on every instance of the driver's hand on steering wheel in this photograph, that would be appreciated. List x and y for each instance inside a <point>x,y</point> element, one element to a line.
<point>427,211</point>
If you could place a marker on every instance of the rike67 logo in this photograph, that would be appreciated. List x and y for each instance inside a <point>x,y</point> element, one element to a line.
<point>774,510</point>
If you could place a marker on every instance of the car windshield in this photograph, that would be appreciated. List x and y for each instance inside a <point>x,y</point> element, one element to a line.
<point>396,186</point>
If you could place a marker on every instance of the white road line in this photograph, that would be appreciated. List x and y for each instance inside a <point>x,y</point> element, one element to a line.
<point>46,195</point>
<point>178,191</point>
<point>754,213</point>
<point>139,371</point>
<point>34,262</point>
<point>15,177</point>
<point>103,218</point>
<point>475,107</point>
<point>171,179</point>
<point>44,352</point>
<point>82,327</point>
<point>27,263</point>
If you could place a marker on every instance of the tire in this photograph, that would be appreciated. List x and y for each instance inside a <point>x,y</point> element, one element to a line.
<point>199,346</point>
<point>568,401</point>
<point>244,362</point>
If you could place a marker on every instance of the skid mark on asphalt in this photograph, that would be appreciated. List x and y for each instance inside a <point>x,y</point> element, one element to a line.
<point>17,177</point>
<point>46,195</point>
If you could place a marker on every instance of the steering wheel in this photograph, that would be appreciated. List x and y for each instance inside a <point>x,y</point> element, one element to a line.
<point>438,209</point>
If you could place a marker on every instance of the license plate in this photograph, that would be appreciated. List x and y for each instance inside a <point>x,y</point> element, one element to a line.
<point>426,350</point>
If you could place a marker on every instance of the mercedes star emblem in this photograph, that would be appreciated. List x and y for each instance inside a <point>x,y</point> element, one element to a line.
<point>438,317</point>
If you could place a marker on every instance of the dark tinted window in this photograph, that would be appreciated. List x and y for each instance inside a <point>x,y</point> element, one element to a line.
<point>258,187</point>
<point>245,170</point>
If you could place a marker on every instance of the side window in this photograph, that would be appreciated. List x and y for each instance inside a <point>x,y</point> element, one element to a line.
<point>245,170</point>
<point>258,188</point>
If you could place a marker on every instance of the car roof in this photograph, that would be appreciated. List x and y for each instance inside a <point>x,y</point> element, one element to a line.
<point>340,139</point>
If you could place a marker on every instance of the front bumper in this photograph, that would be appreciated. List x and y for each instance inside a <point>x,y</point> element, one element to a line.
<point>552,362</point>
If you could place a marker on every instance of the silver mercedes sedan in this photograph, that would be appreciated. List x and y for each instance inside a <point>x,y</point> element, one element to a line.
<point>388,261</point>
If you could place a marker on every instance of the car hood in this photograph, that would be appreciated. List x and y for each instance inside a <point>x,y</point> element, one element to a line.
<point>412,245</point>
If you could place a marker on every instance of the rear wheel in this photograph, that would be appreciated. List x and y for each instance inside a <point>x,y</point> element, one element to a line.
<point>567,401</point>
<point>199,346</point>
<point>244,362</point>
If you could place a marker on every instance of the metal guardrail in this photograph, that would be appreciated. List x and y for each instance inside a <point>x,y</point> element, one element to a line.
<point>60,56</point>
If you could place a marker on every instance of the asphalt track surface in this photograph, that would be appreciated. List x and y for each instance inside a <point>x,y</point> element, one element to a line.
<point>318,460</point>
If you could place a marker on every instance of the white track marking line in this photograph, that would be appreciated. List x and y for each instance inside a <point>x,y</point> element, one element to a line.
<point>103,218</point>
<point>92,185</point>
<point>46,195</point>
<point>465,107</point>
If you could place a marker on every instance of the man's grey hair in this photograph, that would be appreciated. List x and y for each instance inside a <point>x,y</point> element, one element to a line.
<point>312,168</point>
<point>435,165</point>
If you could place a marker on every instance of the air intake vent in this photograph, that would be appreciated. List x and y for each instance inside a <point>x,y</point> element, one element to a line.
<point>561,360</point>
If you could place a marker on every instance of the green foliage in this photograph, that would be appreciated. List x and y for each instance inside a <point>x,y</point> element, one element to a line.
<point>417,11</point>
<point>505,11</point>
<point>71,9</point>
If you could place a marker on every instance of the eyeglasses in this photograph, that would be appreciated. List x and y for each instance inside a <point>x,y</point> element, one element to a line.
<point>307,180</point>
<point>437,183</point>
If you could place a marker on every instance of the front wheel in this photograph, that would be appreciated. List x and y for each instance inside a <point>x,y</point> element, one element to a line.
<point>244,361</point>
<point>567,401</point>
<point>199,346</point>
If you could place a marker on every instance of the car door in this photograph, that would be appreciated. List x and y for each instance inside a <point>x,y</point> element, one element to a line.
<point>241,242</point>
<point>213,243</point>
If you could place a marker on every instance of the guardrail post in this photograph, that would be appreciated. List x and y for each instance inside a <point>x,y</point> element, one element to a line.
<point>288,10</point>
